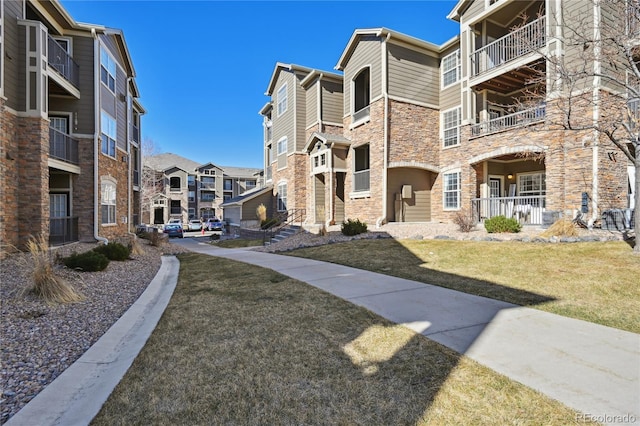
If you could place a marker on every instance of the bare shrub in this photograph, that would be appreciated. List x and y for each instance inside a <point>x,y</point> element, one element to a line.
<point>261,213</point>
<point>465,220</point>
<point>561,228</point>
<point>46,284</point>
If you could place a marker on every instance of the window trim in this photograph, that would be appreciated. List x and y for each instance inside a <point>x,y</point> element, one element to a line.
<point>458,126</point>
<point>284,141</point>
<point>106,118</point>
<point>457,191</point>
<point>457,68</point>
<point>282,100</point>
<point>279,201</point>
<point>109,58</point>
<point>543,186</point>
<point>109,203</point>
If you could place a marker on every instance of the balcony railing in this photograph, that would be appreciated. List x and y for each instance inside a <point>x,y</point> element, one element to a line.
<point>135,133</point>
<point>63,147</point>
<point>63,230</point>
<point>361,180</point>
<point>512,46</point>
<point>517,119</point>
<point>527,210</point>
<point>62,62</point>
<point>208,186</point>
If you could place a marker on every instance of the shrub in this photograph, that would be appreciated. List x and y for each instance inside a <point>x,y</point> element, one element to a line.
<point>561,228</point>
<point>353,227</point>
<point>114,251</point>
<point>466,221</point>
<point>89,261</point>
<point>502,224</point>
<point>46,284</point>
<point>261,213</point>
<point>268,223</point>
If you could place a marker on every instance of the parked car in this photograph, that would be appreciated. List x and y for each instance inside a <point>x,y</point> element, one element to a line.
<point>213,225</point>
<point>174,230</point>
<point>194,225</point>
<point>175,222</point>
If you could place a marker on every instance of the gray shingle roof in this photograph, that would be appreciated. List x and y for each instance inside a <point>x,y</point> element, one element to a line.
<point>167,160</point>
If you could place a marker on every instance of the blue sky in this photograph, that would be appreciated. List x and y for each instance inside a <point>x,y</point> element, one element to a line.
<point>203,66</point>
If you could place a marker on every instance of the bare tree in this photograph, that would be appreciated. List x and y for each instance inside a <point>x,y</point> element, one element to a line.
<point>151,183</point>
<point>589,81</point>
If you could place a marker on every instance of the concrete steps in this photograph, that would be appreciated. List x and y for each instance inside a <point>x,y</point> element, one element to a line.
<point>285,232</point>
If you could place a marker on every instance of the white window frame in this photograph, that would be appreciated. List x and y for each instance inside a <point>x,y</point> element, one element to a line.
<point>283,143</point>
<point>541,190</point>
<point>109,130</point>
<point>448,66</point>
<point>447,190</point>
<point>108,63</point>
<point>282,197</point>
<point>108,202</point>
<point>282,99</point>
<point>445,129</point>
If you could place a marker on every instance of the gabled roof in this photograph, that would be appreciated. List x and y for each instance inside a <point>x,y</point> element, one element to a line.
<point>327,139</point>
<point>168,160</point>
<point>249,195</point>
<point>204,166</point>
<point>240,172</point>
<point>459,9</point>
<point>380,32</point>
<point>321,75</point>
<point>287,67</point>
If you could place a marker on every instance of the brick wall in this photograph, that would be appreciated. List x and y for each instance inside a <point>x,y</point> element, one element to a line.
<point>83,190</point>
<point>413,133</point>
<point>117,170</point>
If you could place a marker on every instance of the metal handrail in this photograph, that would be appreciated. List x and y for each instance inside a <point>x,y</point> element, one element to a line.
<point>512,46</point>
<point>516,119</point>
<point>63,147</point>
<point>62,62</point>
<point>285,219</point>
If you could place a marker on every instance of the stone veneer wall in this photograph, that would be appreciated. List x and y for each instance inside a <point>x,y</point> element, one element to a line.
<point>116,169</point>
<point>295,174</point>
<point>413,133</point>
<point>367,209</point>
<point>83,191</point>
<point>8,178</point>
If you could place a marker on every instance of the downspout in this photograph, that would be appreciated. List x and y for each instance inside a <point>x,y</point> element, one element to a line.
<point>380,221</point>
<point>596,112</point>
<point>96,140</point>
<point>129,171</point>
<point>327,221</point>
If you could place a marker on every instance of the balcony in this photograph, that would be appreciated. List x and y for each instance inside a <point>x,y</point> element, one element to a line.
<point>510,121</point>
<point>361,115</point>
<point>63,147</point>
<point>136,177</point>
<point>62,62</point>
<point>361,180</point>
<point>208,186</point>
<point>63,230</point>
<point>514,45</point>
<point>135,133</point>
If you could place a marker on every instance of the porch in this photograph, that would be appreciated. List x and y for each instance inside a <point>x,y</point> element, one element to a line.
<point>63,230</point>
<point>527,210</point>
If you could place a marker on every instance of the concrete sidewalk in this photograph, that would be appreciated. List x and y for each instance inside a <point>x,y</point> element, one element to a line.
<point>591,368</point>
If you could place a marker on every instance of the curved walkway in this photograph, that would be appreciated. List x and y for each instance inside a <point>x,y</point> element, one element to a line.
<point>589,367</point>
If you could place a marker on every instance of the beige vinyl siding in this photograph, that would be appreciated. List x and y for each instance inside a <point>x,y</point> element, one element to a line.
<point>338,200</point>
<point>312,103</point>
<point>476,8</point>
<point>413,75</point>
<point>300,106</point>
<point>577,12</point>
<point>332,102</point>
<point>283,125</point>
<point>366,53</point>
<point>249,207</point>
<point>83,107</point>
<point>613,19</point>
<point>340,158</point>
<point>121,109</point>
<point>319,194</point>
<point>450,96</point>
<point>418,207</point>
<point>14,59</point>
<point>108,100</point>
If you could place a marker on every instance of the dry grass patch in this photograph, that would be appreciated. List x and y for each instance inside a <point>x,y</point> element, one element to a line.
<point>237,243</point>
<point>240,344</point>
<point>595,282</point>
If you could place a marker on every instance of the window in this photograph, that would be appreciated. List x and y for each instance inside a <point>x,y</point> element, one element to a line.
<point>281,99</point>
<point>451,184</point>
<point>282,197</point>
<point>226,197</point>
<point>191,180</point>
<point>176,208</point>
<point>228,185</point>
<point>361,175</point>
<point>174,183</point>
<point>532,184</point>
<point>361,95</point>
<point>192,196</point>
<point>109,129</point>
<point>208,196</point>
<point>451,68</point>
<point>451,127</point>
<point>192,213</point>
<point>108,202</point>
<point>107,69</point>
<point>282,145</point>
<point>250,184</point>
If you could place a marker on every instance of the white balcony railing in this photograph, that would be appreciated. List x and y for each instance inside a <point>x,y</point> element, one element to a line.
<point>517,119</point>
<point>527,210</point>
<point>514,45</point>
<point>361,180</point>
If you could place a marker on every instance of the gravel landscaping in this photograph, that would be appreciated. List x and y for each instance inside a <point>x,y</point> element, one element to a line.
<point>39,341</point>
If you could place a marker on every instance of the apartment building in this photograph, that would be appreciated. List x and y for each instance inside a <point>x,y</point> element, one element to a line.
<point>429,131</point>
<point>69,127</point>
<point>183,189</point>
